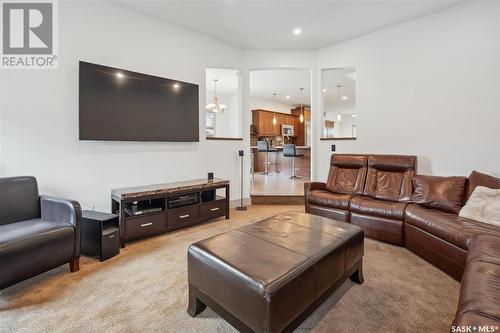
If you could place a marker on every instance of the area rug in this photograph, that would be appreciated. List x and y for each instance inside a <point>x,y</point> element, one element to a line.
<point>144,289</point>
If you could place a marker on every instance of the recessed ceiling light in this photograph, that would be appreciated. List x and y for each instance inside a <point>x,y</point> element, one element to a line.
<point>297,31</point>
<point>287,96</point>
<point>176,86</point>
<point>344,98</point>
<point>119,75</point>
<point>324,90</point>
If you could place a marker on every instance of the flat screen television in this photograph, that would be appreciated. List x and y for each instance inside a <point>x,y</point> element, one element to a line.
<point>120,105</point>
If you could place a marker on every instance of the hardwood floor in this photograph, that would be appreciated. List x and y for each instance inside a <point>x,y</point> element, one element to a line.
<point>278,184</point>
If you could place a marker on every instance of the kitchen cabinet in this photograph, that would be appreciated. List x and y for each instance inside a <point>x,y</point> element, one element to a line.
<point>262,121</point>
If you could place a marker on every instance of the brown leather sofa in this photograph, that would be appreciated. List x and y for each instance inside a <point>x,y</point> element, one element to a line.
<point>371,191</point>
<point>433,229</point>
<point>346,178</point>
<point>479,302</point>
<point>425,213</point>
<point>388,188</point>
<point>37,233</point>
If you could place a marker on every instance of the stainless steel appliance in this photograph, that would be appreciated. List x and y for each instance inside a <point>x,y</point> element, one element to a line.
<point>287,130</point>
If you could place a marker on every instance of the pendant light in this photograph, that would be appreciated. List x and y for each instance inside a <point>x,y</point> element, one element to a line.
<point>301,118</point>
<point>215,106</point>
<point>274,114</point>
<point>339,115</point>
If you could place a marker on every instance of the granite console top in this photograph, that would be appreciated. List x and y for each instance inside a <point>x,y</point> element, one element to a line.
<point>161,189</point>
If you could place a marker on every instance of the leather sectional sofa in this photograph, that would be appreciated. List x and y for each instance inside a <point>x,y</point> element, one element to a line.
<point>37,233</point>
<point>383,194</point>
<point>370,191</point>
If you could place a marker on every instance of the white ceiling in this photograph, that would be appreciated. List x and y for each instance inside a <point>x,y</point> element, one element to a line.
<point>283,82</point>
<point>269,24</point>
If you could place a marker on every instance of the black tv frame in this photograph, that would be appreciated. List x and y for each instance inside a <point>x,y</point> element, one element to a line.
<point>194,125</point>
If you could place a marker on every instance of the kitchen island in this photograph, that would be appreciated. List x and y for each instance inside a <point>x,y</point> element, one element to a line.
<point>282,164</point>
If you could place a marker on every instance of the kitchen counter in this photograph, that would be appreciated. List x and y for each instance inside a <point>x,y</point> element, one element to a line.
<point>282,164</point>
<point>281,147</point>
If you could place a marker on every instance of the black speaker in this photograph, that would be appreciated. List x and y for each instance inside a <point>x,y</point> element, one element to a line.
<point>210,176</point>
<point>241,207</point>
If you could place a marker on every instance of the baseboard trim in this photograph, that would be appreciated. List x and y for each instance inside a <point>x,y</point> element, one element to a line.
<point>277,199</point>
<point>237,202</point>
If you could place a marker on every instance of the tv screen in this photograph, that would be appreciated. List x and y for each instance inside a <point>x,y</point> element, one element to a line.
<point>121,105</point>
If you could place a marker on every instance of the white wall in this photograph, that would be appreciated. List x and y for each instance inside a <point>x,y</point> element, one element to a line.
<point>40,108</point>
<point>259,103</point>
<point>428,87</point>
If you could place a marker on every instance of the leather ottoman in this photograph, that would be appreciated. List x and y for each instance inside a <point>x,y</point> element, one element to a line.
<point>270,275</point>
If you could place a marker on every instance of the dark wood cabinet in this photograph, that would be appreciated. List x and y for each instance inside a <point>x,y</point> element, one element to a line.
<point>142,226</point>
<point>262,121</point>
<point>299,127</point>
<point>168,207</point>
<point>100,235</point>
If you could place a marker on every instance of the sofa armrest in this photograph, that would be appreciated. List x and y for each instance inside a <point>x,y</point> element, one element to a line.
<point>62,210</point>
<point>312,186</point>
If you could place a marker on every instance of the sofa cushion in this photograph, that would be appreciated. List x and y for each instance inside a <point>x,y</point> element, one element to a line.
<point>447,226</point>
<point>480,289</point>
<point>485,248</point>
<point>329,199</point>
<point>347,173</point>
<point>444,193</point>
<point>483,206</point>
<point>477,178</point>
<point>19,199</point>
<point>380,208</point>
<point>389,177</point>
<point>467,320</point>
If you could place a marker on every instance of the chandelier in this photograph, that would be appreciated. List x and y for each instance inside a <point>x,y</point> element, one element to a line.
<point>215,106</point>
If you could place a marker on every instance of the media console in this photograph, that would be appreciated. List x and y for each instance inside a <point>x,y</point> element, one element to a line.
<point>154,209</point>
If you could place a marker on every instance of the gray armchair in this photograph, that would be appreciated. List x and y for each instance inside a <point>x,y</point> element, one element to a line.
<point>37,233</point>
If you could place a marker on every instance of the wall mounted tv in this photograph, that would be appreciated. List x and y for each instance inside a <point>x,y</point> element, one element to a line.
<point>121,105</point>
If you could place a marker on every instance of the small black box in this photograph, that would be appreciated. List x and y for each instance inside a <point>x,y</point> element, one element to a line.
<point>100,234</point>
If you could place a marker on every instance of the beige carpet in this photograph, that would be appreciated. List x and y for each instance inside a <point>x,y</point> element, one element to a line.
<point>144,289</point>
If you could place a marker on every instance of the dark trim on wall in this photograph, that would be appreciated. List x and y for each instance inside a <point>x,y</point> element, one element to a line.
<point>332,139</point>
<point>223,138</point>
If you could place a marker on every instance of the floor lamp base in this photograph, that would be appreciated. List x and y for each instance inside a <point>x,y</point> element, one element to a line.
<point>241,208</point>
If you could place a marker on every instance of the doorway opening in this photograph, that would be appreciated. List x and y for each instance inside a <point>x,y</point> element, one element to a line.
<point>280,134</point>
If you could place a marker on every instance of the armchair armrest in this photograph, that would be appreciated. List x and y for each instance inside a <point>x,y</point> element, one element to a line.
<point>61,210</point>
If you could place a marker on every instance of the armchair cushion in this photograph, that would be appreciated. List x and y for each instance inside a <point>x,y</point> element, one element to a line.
<point>31,247</point>
<point>19,199</point>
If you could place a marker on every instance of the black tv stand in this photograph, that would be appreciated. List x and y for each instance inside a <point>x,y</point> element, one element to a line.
<point>167,207</point>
